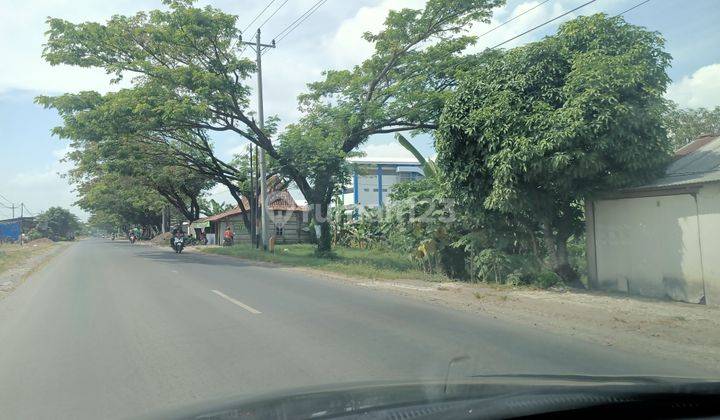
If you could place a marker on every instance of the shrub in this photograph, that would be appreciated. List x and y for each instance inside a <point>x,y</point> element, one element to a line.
<point>546,279</point>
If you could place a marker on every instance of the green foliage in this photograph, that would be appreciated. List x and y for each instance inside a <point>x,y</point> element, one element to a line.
<point>492,265</point>
<point>365,263</point>
<point>686,125</point>
<point>116,201</point>
<point>430,168</point>
<point>193,80</point>
<point>212,207</point>
<point>57,224</point>
<point>547,279</point>
<point>536,129</point>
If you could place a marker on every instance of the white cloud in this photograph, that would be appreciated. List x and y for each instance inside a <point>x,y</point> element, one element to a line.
<point>700,89</point>
<point>393,150</point>
<point>346,46</point>
<point>43,187</point>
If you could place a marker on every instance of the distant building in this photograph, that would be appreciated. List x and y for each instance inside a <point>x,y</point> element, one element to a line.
<point>287,220</point>
<point>662,239</point>
<point>373,178</point>
<point>10,228</point>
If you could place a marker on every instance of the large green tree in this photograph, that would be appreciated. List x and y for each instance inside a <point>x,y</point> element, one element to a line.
<point>58,223</point>
<point>540,127</point>
<point>120,200</point>
<point>194,80</point>
<point>687,124</point>
<point>146,165</point>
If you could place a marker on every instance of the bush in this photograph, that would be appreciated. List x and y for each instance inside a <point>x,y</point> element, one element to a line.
<point>546,279</point>
<point>34,234</point>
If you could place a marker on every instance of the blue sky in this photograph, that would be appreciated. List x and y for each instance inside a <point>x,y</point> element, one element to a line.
<point>30,158</point>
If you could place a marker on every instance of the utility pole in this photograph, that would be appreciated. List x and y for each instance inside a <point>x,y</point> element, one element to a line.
<point>252,200</point>
<point>21,220</point>
<point>258,47</point>
<point>12,206</point>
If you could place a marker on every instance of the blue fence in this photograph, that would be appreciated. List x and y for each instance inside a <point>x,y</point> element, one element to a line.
<point>10,230</point>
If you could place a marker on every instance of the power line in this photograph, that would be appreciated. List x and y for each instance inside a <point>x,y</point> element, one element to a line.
<point>303,20</point>
<point>258,15</point>
<point>632,8</point>
<point>513,18</point>
<point>289,28</point>
<point>4,198</point>
<point>273,14</point>
<point>28,210</point>
<point>543,24</point>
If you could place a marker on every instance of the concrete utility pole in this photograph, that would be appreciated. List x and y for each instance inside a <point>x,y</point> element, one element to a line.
<point>252,201</point>
<point>21,220</point>
<point>258,47</point>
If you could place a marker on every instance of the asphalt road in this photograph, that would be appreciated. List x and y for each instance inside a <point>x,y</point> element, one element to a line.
<point>110,330</point>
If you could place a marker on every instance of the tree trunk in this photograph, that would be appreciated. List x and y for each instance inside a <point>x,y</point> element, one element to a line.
<point>324,243</point>
<point>556,244</point>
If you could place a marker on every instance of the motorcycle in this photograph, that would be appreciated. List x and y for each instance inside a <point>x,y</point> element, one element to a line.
<point>133,238</point>
<point>178,244</point>
<point>228,242</point>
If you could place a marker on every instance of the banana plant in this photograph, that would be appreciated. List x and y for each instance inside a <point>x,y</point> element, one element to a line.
<point>430,168</point>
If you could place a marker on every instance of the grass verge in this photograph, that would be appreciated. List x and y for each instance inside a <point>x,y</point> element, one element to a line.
<point>381,264</point>
<point>13,255</point>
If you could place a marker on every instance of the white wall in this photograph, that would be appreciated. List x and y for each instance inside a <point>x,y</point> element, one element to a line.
<point>650,246</point>
<point>368,185</point>
<point>709,209</point>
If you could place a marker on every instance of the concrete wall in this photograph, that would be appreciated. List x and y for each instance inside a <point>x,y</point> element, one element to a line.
<point>664,246</point>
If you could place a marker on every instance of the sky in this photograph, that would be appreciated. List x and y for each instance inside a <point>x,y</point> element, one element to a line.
<point>31,159</point>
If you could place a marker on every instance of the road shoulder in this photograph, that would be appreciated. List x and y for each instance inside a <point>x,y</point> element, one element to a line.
<point>37,255</point>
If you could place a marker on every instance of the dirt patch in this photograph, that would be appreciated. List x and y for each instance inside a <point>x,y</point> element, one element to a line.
<point>674,330</point>
<point>161,239</point>
<point>38,242</point>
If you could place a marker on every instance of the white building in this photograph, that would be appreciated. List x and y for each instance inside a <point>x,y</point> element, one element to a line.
<point>373,179</point>
<point>662,239</point>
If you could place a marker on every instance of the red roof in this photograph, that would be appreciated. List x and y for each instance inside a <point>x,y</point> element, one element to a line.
<point>695,144</point>
<point>278,200</point>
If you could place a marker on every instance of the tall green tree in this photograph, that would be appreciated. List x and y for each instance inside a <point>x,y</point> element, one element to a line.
<point>58,223</point>
<point>539,128</point>
<point>146,165</point>
<point>194,80</point>
<point>684,125</point>
<point>120,201</point>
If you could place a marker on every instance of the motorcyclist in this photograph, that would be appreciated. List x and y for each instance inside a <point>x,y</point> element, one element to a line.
<point>228,236</point>
<point>132,237</point>
<point>177,233</point>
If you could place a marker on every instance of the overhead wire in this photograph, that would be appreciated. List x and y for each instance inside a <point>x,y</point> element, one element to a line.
<point>28,210</point>
<point>632,8</point>
<point>273,14</point>
<point>543,24</point>
<point>300,19</point>
<point>513,18</point>
<point>258,15</point>
<point>5,198</point>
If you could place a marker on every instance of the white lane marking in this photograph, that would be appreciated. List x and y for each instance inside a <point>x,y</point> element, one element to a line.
<point>237,302</point>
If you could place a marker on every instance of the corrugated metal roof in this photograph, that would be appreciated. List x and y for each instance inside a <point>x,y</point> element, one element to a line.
<point>696,163</point>
<point>278,200</point>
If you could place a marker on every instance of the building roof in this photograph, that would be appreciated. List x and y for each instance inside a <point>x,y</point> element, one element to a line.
<point>278,200</point>
<point>695,163</point>
<point>384,161</point>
